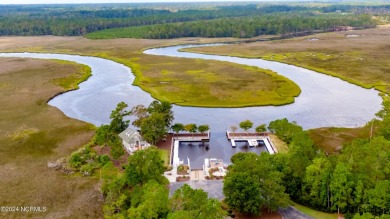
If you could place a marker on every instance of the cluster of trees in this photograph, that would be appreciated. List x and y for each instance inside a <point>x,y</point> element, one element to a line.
<point>355,181</point>
<point>154,121</point>
<point>247,124</point>
<point>243,27</point>
<point>86,160</point>
<point>191,128</point>
<point>74,20</point>
<point>108,134</point>
<point>142,192</point>
<point>253,183</point>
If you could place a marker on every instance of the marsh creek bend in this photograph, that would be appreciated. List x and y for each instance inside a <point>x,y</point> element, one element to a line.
<point>324,101</point>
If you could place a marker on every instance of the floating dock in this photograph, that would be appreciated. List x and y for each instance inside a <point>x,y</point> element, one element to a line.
<point>233,143</point>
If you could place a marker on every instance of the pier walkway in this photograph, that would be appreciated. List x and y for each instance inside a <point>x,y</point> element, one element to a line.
<point>252,139</point>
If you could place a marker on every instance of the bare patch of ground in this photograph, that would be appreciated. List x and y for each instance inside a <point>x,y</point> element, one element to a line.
<point>166,143</point>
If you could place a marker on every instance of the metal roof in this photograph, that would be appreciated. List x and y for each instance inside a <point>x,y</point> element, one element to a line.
<point>130,136</point>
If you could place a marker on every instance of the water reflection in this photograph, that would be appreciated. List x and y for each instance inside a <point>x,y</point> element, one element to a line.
<point>196,151</point>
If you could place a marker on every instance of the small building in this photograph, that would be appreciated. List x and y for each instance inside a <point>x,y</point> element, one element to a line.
<point>132,140</point>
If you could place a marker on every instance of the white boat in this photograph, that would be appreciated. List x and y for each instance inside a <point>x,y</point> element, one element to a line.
<point>253,143</point>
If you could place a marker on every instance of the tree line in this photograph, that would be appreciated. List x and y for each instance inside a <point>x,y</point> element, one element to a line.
<point>242,27</point>
<point>74,20</point>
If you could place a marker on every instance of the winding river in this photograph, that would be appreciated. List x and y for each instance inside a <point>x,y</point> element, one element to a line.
<point>324,101</point>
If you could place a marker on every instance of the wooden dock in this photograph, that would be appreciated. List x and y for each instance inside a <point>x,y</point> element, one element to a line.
<point>192,137</point>
<point>240,135</point>
<point>177,138</point>
<point>252,139</point>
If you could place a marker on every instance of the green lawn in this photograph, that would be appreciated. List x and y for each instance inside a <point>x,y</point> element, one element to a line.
<point>165,156</point>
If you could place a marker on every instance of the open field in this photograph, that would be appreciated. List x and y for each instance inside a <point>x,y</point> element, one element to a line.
<point>181,81</point>
<point>361,57</point>
<point>33,133</point>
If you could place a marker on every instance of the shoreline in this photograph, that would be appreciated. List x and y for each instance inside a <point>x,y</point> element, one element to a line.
<point>245,110</point>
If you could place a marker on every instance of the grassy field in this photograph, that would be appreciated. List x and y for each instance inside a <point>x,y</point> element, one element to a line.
<point>33,133</point>
<point>188,82</point>
<point>361,57</point>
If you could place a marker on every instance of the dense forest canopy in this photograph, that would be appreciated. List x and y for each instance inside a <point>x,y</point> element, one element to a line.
<point>256,19</point>
<point>242,27</point>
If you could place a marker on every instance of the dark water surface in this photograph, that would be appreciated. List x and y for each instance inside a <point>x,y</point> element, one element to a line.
<point>324,101</point>
<point>196,152</point>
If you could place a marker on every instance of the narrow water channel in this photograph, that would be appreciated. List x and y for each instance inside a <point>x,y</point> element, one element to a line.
<point>324,101</point>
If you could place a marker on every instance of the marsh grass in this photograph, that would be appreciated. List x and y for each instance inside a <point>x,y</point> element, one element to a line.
<point>363,60</point>
<point>333,139</point>
<point>188,82</point>
<point>194,82</point>
<point>33,133</point>
<point>212,84</point>
<point>71,82</point>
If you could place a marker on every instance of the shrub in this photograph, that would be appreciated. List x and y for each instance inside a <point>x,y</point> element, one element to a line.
<point>103,159</point>
<point>102,135</point>
<point>75,160</point>
<point>180,168</point>
<point>348,215</point>
<point>87,169</point>
<point>116,148</point>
